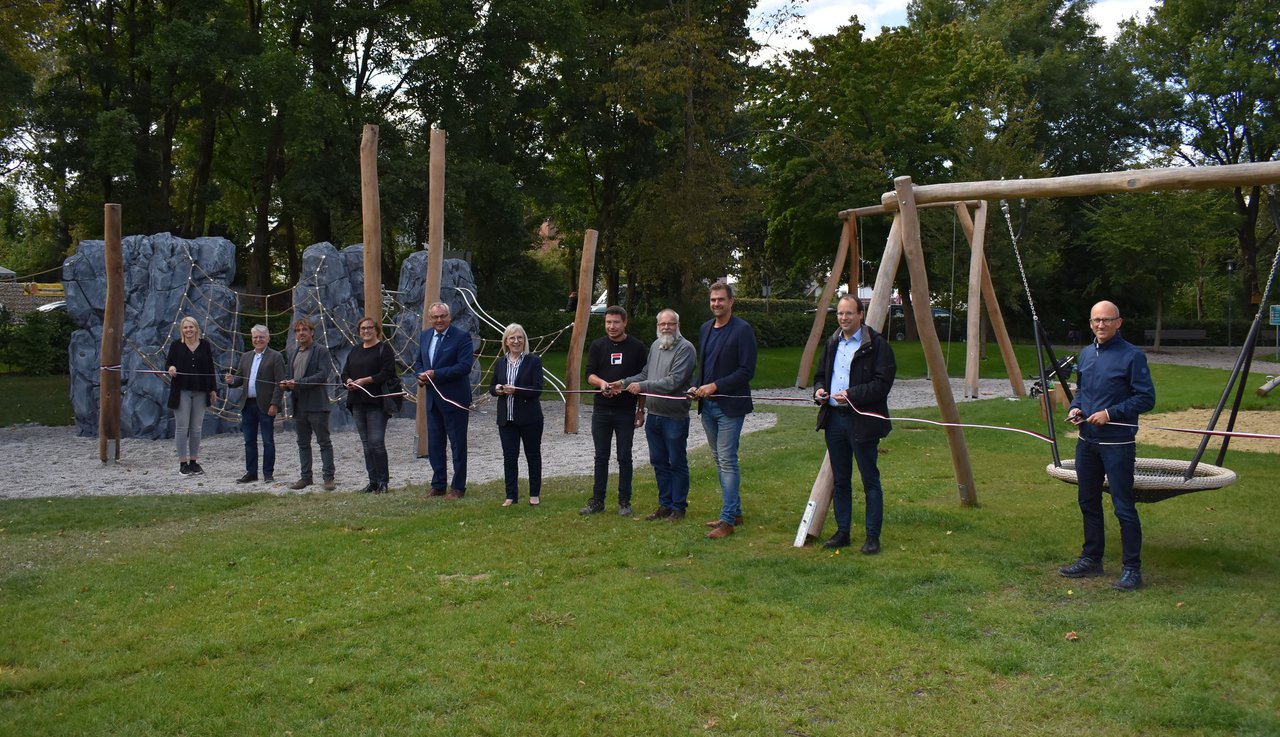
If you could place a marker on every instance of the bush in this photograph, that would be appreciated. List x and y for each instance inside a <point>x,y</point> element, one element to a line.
<point>37,344</point>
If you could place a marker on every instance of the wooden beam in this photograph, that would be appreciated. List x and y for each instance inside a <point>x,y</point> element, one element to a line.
<point>993,312</point>
<point>578,338</point>
<point>882,210</point>
<point>110,369</point>
<point>371,211</point>
<point>1079,185</point>
<point>435,258</point>
<point>914,253</point>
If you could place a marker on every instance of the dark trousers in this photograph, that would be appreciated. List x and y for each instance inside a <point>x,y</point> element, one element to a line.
<point>305,423</point>
<point>255,422</point>
<point>1093,461</point>
<point>844,450</point>
<point>447,432</point>
<point>371,423</point>
<point>669,455</point>
<point>606,424</point>
<point>512,436</point>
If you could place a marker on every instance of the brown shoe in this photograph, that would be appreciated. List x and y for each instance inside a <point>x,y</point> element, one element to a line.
<point>659,513</point>
<point>329,485</point>
<point>436,492</point>
<point>721,529</point>
<point>455,494</point>
<point>716,523</point>
<point>300,484</point>
<point>677,515</point>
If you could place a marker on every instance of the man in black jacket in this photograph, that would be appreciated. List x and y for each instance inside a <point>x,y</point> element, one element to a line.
<point>857,368</point>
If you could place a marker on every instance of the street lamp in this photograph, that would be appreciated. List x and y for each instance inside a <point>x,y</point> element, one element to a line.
<point>1231,270</point>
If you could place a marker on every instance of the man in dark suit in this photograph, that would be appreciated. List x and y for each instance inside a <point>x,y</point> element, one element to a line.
<point>309,374</point>
<point>443,365</point>
<point>261,371</point>
<point>858,367</point>
<point>727,346</point>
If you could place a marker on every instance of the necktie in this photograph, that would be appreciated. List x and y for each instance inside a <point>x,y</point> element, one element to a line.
<point>435,341</point>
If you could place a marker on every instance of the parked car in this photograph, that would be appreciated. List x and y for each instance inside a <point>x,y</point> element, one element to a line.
<point>949,326</point>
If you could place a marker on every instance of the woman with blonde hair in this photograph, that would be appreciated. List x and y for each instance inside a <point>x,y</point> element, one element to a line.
<point>517,383</point>
<point>191,391</point>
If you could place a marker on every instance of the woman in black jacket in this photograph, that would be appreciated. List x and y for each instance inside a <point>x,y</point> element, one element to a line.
<point>191,391</point>
<point>517,383</point>
<point>370,367</point>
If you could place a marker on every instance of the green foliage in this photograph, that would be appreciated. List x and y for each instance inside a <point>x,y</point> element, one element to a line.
<point>37,343</point>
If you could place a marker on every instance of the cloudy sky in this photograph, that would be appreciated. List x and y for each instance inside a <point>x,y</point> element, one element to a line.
<point>825,16</point>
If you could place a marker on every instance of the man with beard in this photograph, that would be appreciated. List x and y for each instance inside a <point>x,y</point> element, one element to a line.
<point>668,371</point>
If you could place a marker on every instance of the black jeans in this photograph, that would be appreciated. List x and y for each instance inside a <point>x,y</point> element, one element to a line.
<point>371,423</point>
<point>607,423</point>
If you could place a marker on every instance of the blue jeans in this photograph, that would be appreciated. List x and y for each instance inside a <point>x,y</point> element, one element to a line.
<point>512,436</point>
<point>606,424</point>
<point>844,451</point>
<point>1093,460</point>
<point>254,421</point>
<point>669,454</point>
<point>371,423</point>
<point>723,434</point>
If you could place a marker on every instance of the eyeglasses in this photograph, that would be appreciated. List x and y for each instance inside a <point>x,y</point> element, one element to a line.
<point>1102,320</point>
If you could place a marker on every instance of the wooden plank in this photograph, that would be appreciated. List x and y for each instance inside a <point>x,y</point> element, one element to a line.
<point>1079,185</point>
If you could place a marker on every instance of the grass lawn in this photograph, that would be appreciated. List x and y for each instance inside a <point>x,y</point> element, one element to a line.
<point>43,400</point>
<point>347,614</point>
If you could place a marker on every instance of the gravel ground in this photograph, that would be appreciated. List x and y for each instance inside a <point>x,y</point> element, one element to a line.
<point>52,462</point>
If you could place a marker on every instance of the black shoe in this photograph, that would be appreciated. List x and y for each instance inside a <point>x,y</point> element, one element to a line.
<point>838,540</point>
<point>1130,579</point>
<point>659,513</point>
<point>382,488</point>
<point>595,506</point>
<point>195,470</point>
<point>676,515</point>
<point>269,479</point>
<point>247,478</point>
<point>372,488</point>
<point>624,510</point>
<point>1084,568</point>
<point>871,546</point>
<point>184,468</point>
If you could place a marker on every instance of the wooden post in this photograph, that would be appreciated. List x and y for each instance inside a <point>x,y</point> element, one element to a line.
<point>109,371</point>
<point>578,339</point>
<point>435,257</point>
<point>878,310</point>
<point>820,314</point>
<point>372,217</point>
<point>815,512</point>
<point>993,311</point>
<point>855,259</point>
<point>973,328</point>
<point>929,340</point>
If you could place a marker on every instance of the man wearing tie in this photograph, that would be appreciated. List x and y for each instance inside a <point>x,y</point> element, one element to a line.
<point>443,366</point>
<point>261,371</point>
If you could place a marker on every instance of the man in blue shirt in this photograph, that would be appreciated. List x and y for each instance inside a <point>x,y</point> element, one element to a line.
<point>857,368</point>
<point>443,365</point>
<point>727,352</point>
<point>1115,387</point>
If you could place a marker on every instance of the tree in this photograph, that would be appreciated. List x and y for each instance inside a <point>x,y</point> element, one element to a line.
<point>1214,62</point>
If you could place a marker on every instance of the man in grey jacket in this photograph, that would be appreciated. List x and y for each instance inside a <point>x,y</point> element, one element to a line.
<point>667,372</point>
<point>309,378</point>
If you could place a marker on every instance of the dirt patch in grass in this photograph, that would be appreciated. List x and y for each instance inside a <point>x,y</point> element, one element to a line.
<point>1247,421</point>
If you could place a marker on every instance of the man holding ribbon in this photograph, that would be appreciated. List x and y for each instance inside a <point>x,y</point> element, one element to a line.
<point>852,384</point>
<point>260,371</point>
<point>668,371</point>
<point>1114,388</point>
<point>443,366</point>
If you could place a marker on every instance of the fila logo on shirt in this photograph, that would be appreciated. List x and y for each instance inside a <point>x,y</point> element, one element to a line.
<point>615,359</point>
